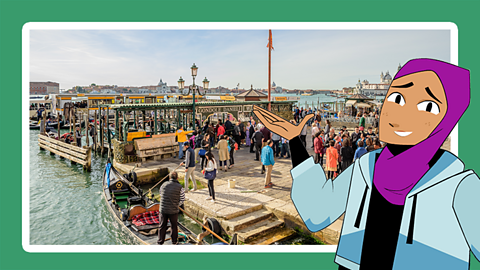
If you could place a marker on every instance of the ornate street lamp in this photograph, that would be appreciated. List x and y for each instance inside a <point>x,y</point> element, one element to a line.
<point>192,88</point>
<point>205,85</point>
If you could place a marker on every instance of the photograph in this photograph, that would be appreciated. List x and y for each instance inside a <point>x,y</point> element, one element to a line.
<point>315,142</point>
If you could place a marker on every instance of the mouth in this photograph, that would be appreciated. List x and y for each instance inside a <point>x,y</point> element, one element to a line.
<point>403,133</point>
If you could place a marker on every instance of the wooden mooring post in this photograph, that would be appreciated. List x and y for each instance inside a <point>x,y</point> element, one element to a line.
<point>95,131</point>
<point>82,155</point>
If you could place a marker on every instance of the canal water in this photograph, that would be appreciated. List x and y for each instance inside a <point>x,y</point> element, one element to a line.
<point>66,204</point>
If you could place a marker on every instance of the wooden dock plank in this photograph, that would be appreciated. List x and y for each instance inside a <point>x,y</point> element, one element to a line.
<point>65,155</point>
<point>66,145</point>
<point>63,149</point>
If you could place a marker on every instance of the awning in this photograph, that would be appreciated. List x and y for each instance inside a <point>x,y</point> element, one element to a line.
<point>363,105</point>
<point>350,102</point>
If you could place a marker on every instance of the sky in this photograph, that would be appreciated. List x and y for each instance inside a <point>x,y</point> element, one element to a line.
<point>301,59</point>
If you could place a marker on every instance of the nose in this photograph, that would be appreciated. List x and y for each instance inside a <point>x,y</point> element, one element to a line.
<point>393,125</point>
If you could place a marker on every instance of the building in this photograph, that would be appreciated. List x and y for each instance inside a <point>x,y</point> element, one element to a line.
<point>375,89</point>
<point>251,95</point>
<point>276,89</point>
<point>49,87</point>
<point>162,88</point>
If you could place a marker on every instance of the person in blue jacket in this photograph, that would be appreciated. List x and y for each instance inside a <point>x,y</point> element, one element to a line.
<point>268,161</point>
<point>409,205</point>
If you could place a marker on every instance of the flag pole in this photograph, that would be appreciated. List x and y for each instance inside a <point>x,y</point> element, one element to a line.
<point>270,47</point>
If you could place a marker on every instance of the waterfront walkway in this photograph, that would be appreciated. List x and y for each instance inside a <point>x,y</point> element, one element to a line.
<point>249,203</point>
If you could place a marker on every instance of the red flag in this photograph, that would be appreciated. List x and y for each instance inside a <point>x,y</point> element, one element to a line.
<point>270,40</point>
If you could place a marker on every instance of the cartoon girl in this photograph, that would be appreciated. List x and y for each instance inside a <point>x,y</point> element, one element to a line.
<point>409,205</point>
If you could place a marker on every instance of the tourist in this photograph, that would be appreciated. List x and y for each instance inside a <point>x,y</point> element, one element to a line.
<point>251,132</point>
<point>257,140</point>
<point>223,153</point>
<point>242,134</point>
<point>354,138</point>
<point>231,150</point>
<point>362,122</point>
<point>197,124</point>
<point>309,122</point>
<point>370,132</point>
<point>304,113</point>
<point>303,136</point>
<point>276,141</point>
<point>39,113</point>
<point>206,148</point>
<point>247,135</point>
<point>361,139</point>
<point>181,139</point>
<point>338,146</point>
<point>210,174</point>
<point>318,148</point>
<point>197,144</point>
<point>192,140</point>
<point>268,161</point>
<point>228,127</point>
<point>375,123</point>
<point>211,132</point>
<point>237,133</point>
<point>220,129</point>
<point>327,126</point>
<point>370,147</point>
<point>205,127</point>
<point>346,154</point>
<point>285,148</point>
<point>318,118</point>
<point>251,121</point>
<point>315,130</point>
<point>332,160</point>
<point>93,134</point>
<point>79,137</point>
<point>360,151</point>
<point>189,166</point>
<point>172,197</point>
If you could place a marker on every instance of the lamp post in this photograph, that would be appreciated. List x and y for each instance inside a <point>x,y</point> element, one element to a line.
<point>192,88</point>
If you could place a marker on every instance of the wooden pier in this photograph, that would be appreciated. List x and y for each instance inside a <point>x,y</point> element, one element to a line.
<point>74,153</point>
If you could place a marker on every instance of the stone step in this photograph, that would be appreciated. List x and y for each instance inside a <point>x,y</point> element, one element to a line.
<point>242,222</point>
<point>250,233</point>
<point>276,236</point>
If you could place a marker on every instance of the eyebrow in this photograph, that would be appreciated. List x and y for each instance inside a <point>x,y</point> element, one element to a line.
<point>410,84</point>
<point>431,94</point>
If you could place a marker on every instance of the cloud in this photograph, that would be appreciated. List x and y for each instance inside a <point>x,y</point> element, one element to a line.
<point>302,59</point>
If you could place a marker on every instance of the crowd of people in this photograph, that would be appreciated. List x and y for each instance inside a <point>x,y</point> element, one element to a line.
<point>334,150</point>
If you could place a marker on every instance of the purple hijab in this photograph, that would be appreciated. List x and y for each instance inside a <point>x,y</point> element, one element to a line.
<point>395,176</point>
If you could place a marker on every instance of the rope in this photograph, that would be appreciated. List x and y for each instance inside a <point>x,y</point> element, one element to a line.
<point>161,180</point>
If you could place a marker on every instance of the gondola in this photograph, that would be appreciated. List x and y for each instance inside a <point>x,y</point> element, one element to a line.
<point>129,206</point>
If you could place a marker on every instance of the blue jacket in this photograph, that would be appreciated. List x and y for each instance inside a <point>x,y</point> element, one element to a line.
<point>267,156</point>
<point>359,152</point>
<point>445,222</point>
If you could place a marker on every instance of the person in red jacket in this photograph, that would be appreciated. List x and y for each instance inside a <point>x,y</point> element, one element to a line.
<point>318,147</point>
<point>220,129</point>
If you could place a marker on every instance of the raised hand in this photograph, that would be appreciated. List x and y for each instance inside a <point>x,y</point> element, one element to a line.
<point>279,125</point>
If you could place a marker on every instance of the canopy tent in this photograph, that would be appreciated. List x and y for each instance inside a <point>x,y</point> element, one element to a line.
<point>364,105</point>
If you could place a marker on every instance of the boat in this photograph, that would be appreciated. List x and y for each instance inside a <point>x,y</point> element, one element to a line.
<point>307,94</point>
<point>127,203</point>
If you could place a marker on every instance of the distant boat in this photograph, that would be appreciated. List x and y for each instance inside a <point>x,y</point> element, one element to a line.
<point>307,94</point>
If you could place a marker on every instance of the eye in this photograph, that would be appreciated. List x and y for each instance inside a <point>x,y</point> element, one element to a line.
<point>397,98</point>
<point>429,106</point>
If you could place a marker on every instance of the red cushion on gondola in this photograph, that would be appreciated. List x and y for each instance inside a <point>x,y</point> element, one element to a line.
<point>147,218</point>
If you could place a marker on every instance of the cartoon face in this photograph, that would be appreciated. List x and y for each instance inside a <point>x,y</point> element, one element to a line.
<point>414,106</point>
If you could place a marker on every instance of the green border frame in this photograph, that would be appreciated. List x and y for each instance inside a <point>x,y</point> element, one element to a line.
<point>15,13</point>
